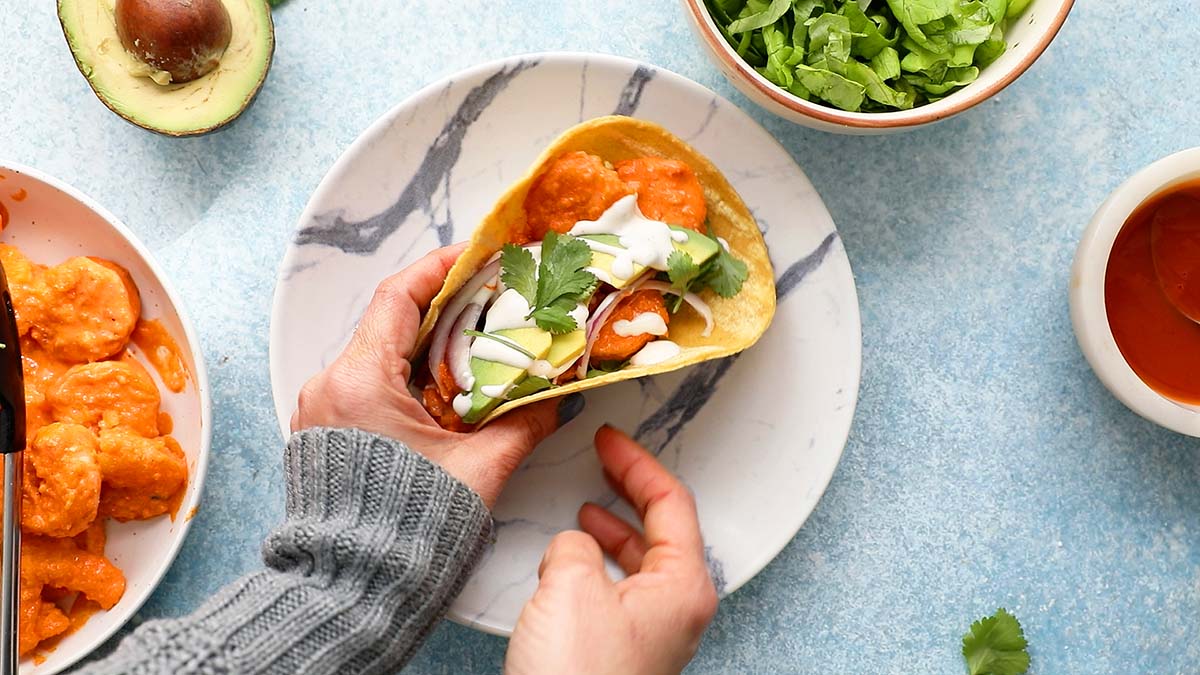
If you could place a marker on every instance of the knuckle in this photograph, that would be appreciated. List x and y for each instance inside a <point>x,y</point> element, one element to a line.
<point>389,290</point>
<point>706,604</point>
<point>569,540</point>
<point>307,397</point>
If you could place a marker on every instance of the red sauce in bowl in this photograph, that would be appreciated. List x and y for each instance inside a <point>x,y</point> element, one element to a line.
<point>1152,292</point>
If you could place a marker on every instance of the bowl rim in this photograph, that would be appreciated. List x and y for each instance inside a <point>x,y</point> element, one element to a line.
<point>964,99</point>
<point>200,379</point>
<point>1089,313</point>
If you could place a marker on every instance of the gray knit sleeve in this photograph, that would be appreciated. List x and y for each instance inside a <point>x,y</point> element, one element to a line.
<point>377,542</point>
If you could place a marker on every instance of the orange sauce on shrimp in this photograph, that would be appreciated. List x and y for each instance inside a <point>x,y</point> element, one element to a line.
<point>77,321</point>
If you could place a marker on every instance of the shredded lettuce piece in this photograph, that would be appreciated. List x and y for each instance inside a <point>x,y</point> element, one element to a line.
<point>868,56</point>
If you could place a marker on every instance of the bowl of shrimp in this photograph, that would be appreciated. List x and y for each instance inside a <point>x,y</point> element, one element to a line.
<point>117,417</point>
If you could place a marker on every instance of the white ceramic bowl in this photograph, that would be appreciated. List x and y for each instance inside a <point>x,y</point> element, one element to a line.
<point>53,222</point>
<point>1088,312</point>
<point>1027,38</point>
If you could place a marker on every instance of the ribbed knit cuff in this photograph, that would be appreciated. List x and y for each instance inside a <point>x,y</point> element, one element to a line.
<point>377,543</point>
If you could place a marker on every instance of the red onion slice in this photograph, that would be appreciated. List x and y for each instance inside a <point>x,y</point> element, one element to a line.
<point>454,309</point>
<point>600,317</point>
<point>458,348</point>
<point>692,299</point>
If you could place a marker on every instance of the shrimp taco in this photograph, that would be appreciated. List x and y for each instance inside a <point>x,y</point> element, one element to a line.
<point>622,253</point>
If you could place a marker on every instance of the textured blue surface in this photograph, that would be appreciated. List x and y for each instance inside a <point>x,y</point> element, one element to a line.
<point>987,466</point>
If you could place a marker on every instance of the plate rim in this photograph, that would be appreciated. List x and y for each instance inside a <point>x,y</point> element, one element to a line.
<point>840,430</point>
<point>200,378</point>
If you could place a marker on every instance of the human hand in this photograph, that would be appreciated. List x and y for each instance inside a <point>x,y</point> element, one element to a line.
<point>581,622</point>
<point>367,388</point>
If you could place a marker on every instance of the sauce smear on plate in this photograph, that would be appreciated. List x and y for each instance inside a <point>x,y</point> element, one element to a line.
<point>1152,292</point>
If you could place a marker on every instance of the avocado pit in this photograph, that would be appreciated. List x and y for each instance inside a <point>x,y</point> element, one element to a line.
<point>184,38</point>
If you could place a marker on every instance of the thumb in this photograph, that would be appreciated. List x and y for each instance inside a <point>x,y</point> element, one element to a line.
<point>571,552</point>
<point>518,432</point>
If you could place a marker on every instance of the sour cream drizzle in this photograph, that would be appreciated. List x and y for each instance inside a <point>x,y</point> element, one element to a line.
<point>462,404</point>
<point>509,311</point>
<point>646,323</point>
<point>644,241</point>
<point>655,352</point>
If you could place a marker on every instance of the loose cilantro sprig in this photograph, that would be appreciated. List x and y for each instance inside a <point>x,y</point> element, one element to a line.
<point>723,273</point>
<point>996,645</point>
<point>682,271</point>
<point>554,287</point>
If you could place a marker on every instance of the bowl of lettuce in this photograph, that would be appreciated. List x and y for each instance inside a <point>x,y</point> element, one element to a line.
<point>874,66</point>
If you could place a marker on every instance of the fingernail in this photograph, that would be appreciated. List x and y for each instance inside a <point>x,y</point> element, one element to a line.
<point>570,407</point>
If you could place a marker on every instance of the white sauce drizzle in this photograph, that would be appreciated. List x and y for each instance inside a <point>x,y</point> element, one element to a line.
<point>655,352</point>
<point>678,236</point>
<point>462,404</point>
<point>644,241</point>
<point>724,244</point>
<point>509,311</point>
<point>646,323</point>
<point>495,390</point>
<point>543,368</point>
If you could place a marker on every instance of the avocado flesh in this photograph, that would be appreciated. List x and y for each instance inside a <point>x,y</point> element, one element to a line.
<point>698,246</point>
<point>566,348</point>
<point>491,373</point>
<point>123,84</point>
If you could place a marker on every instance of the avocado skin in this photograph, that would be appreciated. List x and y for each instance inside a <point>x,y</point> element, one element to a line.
<point>270,49</point>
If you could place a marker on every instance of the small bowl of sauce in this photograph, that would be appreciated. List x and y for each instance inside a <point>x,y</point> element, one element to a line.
<point>1135,293</point>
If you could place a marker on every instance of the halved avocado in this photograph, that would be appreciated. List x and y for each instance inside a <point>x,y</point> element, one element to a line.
<point>123,83</point>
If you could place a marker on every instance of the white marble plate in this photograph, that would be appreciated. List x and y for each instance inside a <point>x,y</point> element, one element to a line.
<point>756,437</point>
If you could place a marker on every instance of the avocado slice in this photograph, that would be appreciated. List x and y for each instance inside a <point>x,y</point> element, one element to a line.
<point>501,375</point>
<point>698,246</point>
<point>123,82</point>
<point>566,348</point>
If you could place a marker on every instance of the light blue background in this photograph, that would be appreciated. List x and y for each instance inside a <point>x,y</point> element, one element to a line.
<point>987,466</point>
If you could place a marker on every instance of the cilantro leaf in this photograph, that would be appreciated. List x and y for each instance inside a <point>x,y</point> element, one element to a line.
<point>682,271</point>
<point>518,271</point>
<point>724,273</point>
<point>528,387</point>
<point>562,282</point>
<point>561,272</point>
<point>554,318</point>
<point>555,286</point>
<point>996,645</point>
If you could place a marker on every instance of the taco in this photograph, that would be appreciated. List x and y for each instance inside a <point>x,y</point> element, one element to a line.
<point>622,253</point>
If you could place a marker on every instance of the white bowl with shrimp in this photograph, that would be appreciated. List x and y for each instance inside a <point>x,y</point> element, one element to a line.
<point>50,222</point>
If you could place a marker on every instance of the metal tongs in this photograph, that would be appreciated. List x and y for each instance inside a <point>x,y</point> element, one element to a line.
<point>12,443</point>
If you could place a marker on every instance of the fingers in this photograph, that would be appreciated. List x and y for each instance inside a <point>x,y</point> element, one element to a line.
<point>394,314</point>
<point>667,509</point>
<point>616,537</point>
<point>571,551</point>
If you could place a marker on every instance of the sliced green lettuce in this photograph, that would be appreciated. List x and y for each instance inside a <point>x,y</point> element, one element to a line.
<point>874,55</point>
